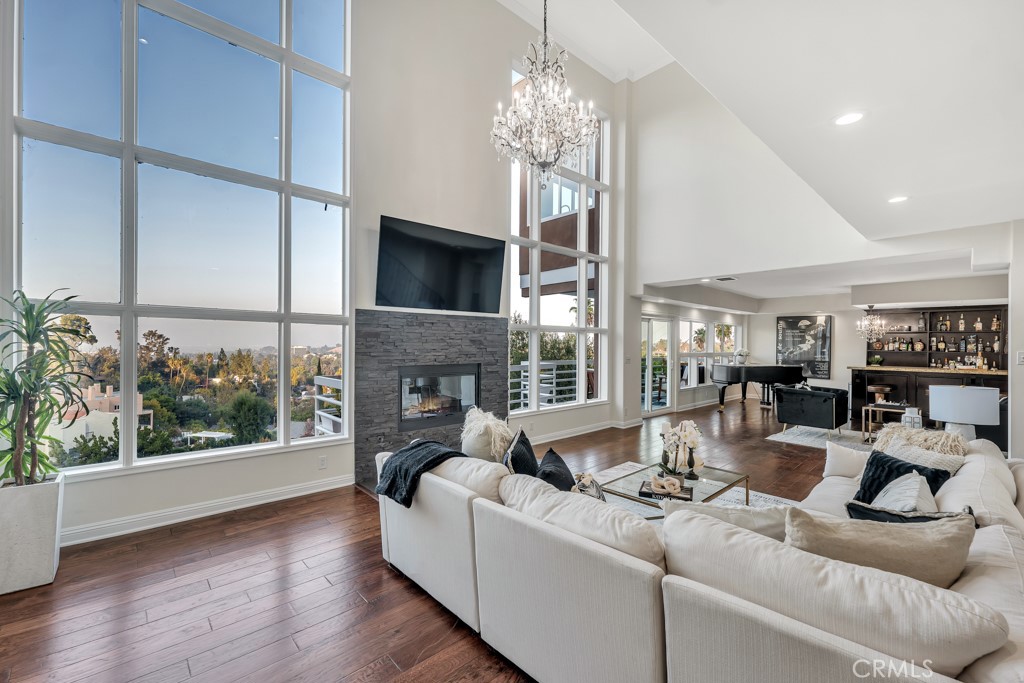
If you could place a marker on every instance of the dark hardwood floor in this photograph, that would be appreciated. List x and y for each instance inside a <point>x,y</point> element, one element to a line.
<point>298,591</point>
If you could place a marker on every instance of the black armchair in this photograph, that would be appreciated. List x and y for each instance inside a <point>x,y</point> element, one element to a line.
<point>820,407</point>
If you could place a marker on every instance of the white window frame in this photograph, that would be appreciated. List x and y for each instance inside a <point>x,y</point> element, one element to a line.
<point>13,128</point>
<point>709,355</point>
<point>583,256</point>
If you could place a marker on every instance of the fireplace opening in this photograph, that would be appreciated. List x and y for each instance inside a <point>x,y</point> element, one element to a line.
<point>436,395</point>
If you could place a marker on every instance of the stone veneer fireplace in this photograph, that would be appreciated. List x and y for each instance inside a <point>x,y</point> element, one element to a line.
<point>417,374</point>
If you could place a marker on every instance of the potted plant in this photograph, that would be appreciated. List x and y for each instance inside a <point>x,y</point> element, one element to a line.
<point>39,383</point>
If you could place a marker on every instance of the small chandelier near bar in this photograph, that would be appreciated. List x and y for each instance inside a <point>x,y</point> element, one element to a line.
<point>543,126</point>
<point>871,327</point>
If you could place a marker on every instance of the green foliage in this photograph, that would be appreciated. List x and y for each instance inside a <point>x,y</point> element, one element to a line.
<point>39,383</point>
<point>249,417</point>
<point>153,442</point>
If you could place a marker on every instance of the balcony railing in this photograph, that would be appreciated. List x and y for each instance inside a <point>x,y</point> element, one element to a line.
<point>556,383</point>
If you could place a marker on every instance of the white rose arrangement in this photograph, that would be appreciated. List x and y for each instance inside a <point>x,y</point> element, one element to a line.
<point>684,435</point>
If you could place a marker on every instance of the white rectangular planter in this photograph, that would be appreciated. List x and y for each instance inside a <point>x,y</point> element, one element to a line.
<point>30,518</point>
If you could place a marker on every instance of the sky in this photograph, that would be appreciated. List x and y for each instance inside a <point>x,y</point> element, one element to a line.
<point>201,242</point>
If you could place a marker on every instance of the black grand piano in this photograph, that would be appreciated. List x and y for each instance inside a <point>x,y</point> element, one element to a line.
<point>766,375</point>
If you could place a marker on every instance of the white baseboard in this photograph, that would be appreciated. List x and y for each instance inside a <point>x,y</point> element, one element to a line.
<point>576,431</point>
<point>635,422</point>
<point>151,520</point>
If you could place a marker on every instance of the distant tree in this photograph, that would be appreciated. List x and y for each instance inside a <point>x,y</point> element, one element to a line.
<point>153,442</point>
<point>81,325</point>
<point>164,418</point>
<point>249,417</point>
<point>193,411</point>
<point>153,351</point>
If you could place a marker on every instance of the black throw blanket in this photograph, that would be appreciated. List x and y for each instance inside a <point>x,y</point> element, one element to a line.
<point>401,472</point>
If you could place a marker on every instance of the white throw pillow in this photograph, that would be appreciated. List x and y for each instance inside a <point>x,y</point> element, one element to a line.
<point>1017,470</point>
<point>909,493</point>
<point>925,458</point>
<point>591,518</point>
<point>479,476</point>
<point>993,577</point>
<point>769,521</point>
<point>841,461</point>
<point>485,436</point>
<point>984,483</point>
<point>901,617</point>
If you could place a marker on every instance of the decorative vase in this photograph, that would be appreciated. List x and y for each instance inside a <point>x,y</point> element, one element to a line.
<point>690,463</point>
<point>741,360</point>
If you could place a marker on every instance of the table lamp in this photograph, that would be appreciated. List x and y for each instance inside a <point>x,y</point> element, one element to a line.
<point>963,407</point>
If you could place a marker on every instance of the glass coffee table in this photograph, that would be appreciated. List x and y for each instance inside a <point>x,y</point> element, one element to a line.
<point>712,483</point>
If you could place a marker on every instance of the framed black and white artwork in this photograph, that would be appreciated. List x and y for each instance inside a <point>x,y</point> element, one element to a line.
<point>805,340</point>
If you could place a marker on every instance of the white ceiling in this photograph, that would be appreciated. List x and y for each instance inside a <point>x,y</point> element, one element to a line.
<point>941,82</point>
<point>597,32</point>
<point>838,278</point>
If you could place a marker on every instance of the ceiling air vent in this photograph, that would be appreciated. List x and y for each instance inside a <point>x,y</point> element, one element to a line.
<point>726,279</point>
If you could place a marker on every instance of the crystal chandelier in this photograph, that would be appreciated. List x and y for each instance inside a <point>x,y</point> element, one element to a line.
<point>871,327</point>
<point>543,126</point>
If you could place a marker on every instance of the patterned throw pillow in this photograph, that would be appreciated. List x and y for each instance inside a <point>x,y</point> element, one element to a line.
<point>519,458</point>
<point>554,471</point>
<point>588,486</point>
<point>881,469</point>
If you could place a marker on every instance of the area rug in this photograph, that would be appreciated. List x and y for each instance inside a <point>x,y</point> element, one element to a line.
<point>734,496</point>
<point>817,438</point>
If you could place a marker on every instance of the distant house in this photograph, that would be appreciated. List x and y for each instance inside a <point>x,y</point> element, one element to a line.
<point>104,407</point>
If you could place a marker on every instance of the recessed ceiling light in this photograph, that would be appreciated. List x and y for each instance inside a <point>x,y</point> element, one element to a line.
<point>898,200</point>
<point>848,118</point>
<point>706,279</point>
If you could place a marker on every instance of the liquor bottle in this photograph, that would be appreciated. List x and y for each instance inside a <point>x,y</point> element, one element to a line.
<point>995,323</point>
<point>933,344</point>
<point>963,345</point>
<point>920,323</point>
<point>972,344</point>
<point>978,325</point>
<point>988,347</point>
<point>902,344</point>
<point>949,325</point>
<point>962,325</point>
<point>995,345</point>
<point>942,344</point>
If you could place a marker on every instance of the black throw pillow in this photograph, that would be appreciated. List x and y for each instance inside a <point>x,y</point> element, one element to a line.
<point>870,513</point>
<point>519,458</point>
<point>554,471</point>
<point>881,469</point>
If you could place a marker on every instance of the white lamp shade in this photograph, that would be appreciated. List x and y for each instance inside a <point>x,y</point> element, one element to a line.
<point>964,405</point>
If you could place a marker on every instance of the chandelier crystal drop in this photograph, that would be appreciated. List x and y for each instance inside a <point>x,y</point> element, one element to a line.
<point>543,126</point>
<point>871,327</point>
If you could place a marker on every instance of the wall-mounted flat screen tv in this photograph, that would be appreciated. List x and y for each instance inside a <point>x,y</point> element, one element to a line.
<point>422,266</point>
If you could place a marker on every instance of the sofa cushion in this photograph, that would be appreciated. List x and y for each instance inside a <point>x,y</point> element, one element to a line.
<point>841,461</point>
<point>1017,470</point>
<point>479,476</point>
<point>930,439</point>
<point>882,468</point>
<point>830,496</point>
<point>519,458</point>
<point>908,493</point>
<point>554,471</point>
<point>985,446</point>
<point>934,553</point>
<point>769,521</point>
<point>896,615</point>
<point>920,456</point>
<point>606,524</point>
<point>993,577</point>
<point>982,484</point>
<point>485,436</point>
<point>870,513</point>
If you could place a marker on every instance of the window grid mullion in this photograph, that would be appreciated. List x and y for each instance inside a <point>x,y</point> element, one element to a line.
<point>129,233</point>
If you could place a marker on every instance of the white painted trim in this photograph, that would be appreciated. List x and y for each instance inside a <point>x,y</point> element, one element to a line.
<point>576,431</point>
<point>629,424</point>
<point>151,520</point>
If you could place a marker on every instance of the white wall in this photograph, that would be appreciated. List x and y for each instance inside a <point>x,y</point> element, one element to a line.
<point>707,186</point>
<point>847,348</point>
<point>1016,335</point>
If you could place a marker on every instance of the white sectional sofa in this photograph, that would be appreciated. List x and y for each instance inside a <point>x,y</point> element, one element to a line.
<point>565,600</point>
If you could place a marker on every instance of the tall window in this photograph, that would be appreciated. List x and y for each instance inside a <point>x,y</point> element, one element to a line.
<point>558,329</point>
<point>703,344</point>
<point>183,171</point>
